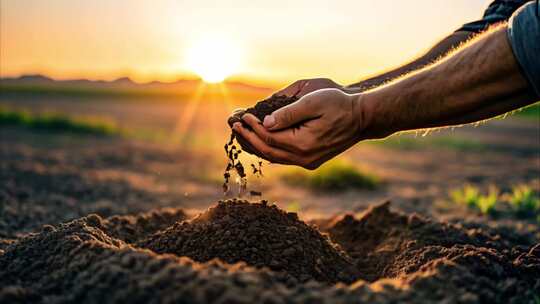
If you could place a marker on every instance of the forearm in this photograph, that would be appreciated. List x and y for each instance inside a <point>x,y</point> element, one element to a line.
<point>440,49</point>
<point>479,81</point>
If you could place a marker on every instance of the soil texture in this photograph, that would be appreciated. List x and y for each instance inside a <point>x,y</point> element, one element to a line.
<point>260,110</point>
<point>226,254</point>
<point>259,235</point>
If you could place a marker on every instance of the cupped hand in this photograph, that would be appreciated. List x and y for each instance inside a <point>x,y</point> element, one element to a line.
<point>308,132</point>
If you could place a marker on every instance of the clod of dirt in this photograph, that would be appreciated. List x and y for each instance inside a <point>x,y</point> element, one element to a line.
<point>134,228</point>
<point>260,110</point>
<point>259,235</point>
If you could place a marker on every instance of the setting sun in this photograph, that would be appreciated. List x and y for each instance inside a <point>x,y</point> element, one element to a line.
<point>214,58</point>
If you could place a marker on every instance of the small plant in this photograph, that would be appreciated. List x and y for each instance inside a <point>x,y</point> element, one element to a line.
<point>524,201</point>
<point>293,206</point>
<point>336,175</point>
<point>468,196</point>
<point>487,203</point>
<point>56,122</point>
<point>472,198</point>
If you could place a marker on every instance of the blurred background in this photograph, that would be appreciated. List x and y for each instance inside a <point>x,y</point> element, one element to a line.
<point>120,106</point>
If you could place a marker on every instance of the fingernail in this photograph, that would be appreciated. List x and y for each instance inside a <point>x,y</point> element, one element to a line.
<point>236,126</point>
<point>269,121</point>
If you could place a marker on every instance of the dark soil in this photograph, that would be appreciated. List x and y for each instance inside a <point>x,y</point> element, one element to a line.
<point>406,258</point>
<point>134,228</point>
<point>260,110</point>
<point>234,163</point>
<point>259,235</point>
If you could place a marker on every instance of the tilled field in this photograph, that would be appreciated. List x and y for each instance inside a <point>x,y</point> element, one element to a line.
<point>253,252</point>
<point>97,220</point>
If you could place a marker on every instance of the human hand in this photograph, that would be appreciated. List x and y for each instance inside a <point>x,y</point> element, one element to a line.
<point>308,132</point>
<point>305,86</point>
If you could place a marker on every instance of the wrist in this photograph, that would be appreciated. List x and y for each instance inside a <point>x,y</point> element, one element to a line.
<point>374,121</point>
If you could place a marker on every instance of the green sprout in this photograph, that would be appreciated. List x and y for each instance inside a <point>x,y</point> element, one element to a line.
<point>293,206</point>
<point>524,200</point>
<point>471,197</point>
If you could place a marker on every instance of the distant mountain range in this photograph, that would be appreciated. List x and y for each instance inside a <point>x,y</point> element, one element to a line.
<point>120,83</point>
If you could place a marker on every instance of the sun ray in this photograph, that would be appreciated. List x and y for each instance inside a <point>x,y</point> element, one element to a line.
<point>187,113</point>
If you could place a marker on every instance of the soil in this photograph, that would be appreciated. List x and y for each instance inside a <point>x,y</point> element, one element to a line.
<point>211,259</point>
<point>259,235</point>
<point>260,110</point>
<point>53,251</point>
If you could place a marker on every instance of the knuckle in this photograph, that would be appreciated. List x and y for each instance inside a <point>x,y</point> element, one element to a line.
<point>268,139</point>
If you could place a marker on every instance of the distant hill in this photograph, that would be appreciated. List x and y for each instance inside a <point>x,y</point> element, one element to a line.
<point>40,84</point>
<point>123,82</point>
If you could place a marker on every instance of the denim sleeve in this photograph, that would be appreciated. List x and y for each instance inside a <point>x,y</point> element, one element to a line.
<point>498,11</point>
<point>524,37</point>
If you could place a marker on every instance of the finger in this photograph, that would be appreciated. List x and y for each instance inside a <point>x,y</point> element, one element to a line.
<point>296,112</point>
<point>270,153</point>
<point>285,139</point>
<point>293,89</point>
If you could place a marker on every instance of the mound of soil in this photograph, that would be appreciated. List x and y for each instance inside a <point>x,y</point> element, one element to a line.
<point>259,235</point>
<point>386,244</point>
<point>402,258</point>
<point>260,110</point>
<point>78,262</point>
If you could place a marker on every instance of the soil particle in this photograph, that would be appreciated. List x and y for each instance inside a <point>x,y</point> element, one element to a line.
<point>260,110</point>
<point>234,163</point>
<point>259,235</point>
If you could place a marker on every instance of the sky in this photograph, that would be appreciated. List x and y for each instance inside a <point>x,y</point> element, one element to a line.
<point>273,41</point>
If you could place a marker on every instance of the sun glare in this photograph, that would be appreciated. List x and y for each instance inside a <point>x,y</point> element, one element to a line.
<point>214,58</point>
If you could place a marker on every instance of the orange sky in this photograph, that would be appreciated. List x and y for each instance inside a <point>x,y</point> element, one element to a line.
<point>280,40</point>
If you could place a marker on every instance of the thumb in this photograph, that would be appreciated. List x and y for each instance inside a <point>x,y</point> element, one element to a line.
<point>290,115</point>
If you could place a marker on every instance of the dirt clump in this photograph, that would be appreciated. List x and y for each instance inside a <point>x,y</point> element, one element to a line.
<point>259,235</point>
<point>134,228</point>
<point>261,109</point>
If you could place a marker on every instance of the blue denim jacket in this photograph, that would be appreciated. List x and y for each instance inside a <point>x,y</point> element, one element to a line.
<point>524,37</point>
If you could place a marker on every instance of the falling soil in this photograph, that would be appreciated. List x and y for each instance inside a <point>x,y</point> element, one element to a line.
<point>225,255</point>
<point>260,110</point>
<point>259,235</point>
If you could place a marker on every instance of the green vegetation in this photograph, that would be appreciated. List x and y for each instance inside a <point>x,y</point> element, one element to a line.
<point>521,201</point>
<point>472,198</point>
<point>415,143</point>
<point>532,111</point>
<point>336,175</point>
<point>293,206</point>
<point>56,122</point>
<point>173,93</point>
